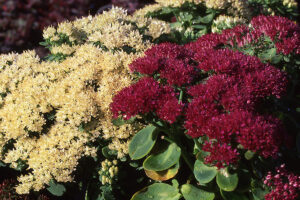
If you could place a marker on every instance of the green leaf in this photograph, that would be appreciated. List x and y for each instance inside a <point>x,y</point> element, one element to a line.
<point>142,143</point>
<point>157,191</point>
<point>175,183</point>
<point>249,155</point>
<point>21,165</point>
<point>166,10</point>
<point>43,43</point>
<point>268,54</point>
<point>163,175</point>
<point>107,152</point>
<point>118,122</point>
<point>191,192</point>
<point>276,59</point>
<point>163,160</point>
<point>56,189</point>
<point>208,18</point>
<point>2,164</point>
<point>249,51</point>
<point>203,173</point>
<point>134,164</point>
<point>176,24</point>
<point>199,26</point>
<point>233,196</point>
<point>226,181</point>
<point>185,16</point>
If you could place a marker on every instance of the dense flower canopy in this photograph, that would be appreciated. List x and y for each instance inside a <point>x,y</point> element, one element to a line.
<point>224,91</point>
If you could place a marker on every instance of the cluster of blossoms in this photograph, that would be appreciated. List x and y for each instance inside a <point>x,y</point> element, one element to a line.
<point>43,104</point>
<point>224,105</point>
<point>216,92</point>
<point>51,111</point>
<point>223,22</point>
<point>112,29</point>
<point>171,62</point>
<point>284,185</point>
<point>108,171</point>
<point>290,3</point>
<point>220,154</point>
<point>284,33</point>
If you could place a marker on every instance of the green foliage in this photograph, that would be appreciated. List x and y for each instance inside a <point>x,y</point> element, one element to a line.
<point>120,121</point>
<point>108,153</point>
<point>56,189</point>
<point>191,192</point>
<point>106,193</point>
<point>249,155</point>
<point>2,164</point>
<point>158,191</point>
<point>203,173</point>
<point>142,143</point>
<point>163,175</point>
<point>226,181</point>
<point>192,21</point>
<point>59,57</point>
<point>163,160</point>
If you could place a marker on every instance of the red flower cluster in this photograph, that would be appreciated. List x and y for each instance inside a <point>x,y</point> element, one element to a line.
<point>223,88</point>
<point>224,105</point>
<point>284,184</point>
<point>283,32</point>
<point>171,61</point>
<point>221,155</point>
<point>147,96</point>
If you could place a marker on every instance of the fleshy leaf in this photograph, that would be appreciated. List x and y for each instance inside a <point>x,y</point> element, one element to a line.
<point>163,160</point>
<point>142,143</point>
<point>203,173</point>
<point>163,175</point>
<point>56,189</point>
<point>157,191</point>
<point>226,181</point>
<point>191,192</point>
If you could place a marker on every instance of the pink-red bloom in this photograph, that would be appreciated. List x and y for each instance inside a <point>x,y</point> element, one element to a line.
<point>139,98</point>
<point>147,96</point>
<point>170,61</point>
<point>223,104</point>
<point>284,185</point>
<point>284,33</point>
<point>221,155</point>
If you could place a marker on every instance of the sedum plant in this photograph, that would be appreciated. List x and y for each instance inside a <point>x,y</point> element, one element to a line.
<point>55,111</point>
<point>214,110</point>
